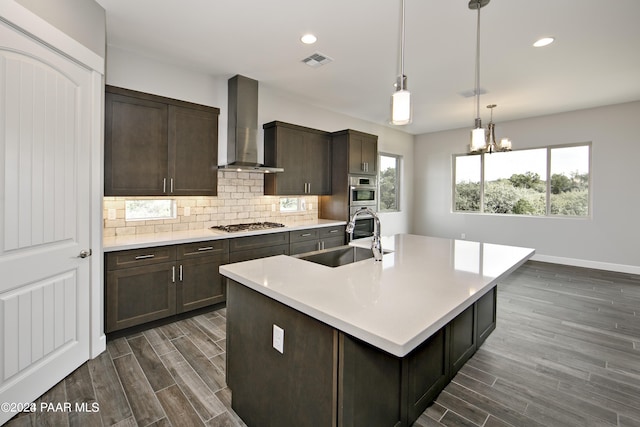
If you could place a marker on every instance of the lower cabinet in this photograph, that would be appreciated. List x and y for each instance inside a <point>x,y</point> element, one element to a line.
<point>261,246</point>
<point>199,283</point>
<point>314,239</point>
<point>345,381</point>
<point>149,284</point>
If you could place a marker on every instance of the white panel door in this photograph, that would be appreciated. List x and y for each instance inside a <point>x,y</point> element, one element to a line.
<point>45,109</point>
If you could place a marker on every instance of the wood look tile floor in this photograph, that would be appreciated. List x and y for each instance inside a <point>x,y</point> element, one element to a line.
<point>566,352</point>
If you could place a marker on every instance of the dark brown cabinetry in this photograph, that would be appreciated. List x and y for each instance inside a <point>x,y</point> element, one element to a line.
<point>314,239</point>
<point>260,246</point>
<point>361,150</point>
<point>352,152</point>
<point>139,286</point>
<point>199,283</point>
<point>153,283</point>
<point>305,155</point>
<point>158,146</point>
<point>345,379</point>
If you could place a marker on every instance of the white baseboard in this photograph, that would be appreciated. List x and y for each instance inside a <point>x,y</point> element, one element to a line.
<point>620,268</point>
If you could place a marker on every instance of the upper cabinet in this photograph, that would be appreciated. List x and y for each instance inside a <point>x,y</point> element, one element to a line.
<point>159,146</point>
<point>362,151</point>
<point>305,155</point>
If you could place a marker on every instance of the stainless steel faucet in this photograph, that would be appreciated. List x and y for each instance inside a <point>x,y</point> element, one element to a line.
<point>376,246</point>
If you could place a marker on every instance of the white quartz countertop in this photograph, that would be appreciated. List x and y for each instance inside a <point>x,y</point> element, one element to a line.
<point>395,304</point>
<point>138,241</point>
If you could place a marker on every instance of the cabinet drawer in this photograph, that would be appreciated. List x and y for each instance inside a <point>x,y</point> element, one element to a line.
<point>198,249</point>
<point>330,232</point>
<point>332,242</point>
<point>304,235</point>
<point>303,247</point>
<point>259,253</point>
<point>139,257</point>
<point>260,241</point>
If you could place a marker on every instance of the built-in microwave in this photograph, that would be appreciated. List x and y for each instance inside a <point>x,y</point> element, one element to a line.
<point>363,191</point>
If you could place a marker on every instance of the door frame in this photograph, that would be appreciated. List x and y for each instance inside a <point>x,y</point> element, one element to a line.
<point>42,31</point>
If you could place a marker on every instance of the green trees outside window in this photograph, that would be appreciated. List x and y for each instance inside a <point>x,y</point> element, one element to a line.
<point>539,182</point>
<point>389,183</point>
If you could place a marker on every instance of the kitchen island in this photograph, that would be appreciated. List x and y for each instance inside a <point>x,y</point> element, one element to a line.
<point>367,343</point>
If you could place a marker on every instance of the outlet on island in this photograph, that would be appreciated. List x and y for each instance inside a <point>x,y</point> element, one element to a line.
<point>278,338</point>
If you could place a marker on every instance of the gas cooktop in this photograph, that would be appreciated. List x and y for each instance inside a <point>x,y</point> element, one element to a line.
<point>251,226</point>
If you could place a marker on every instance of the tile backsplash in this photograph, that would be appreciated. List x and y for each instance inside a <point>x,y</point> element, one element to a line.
<point>239,200</point>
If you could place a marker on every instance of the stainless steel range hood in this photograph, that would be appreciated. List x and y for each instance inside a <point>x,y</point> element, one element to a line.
<point>242,129</point>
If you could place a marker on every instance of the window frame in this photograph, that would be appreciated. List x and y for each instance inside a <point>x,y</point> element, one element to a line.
<point>548,213</point>
<point>398,176</point>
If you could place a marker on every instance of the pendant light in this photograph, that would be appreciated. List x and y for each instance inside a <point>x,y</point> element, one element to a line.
<point>505,143</point>
<point>478,134</point>
<point>483,140</point>
<point>401,98</point>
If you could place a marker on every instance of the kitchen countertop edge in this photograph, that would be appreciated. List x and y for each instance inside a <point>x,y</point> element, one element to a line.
<point>139,241</point>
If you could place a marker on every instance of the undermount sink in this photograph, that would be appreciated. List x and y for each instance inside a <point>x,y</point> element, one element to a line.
<point>335,257</point>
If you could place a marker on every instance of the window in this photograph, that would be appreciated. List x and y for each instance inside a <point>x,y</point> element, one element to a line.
<point>138,210</point>
<point>538,182</point>
<point>389,183</point>
<point>291,204</point>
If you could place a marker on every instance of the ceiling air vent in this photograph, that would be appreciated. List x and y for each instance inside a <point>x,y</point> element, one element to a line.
<point>316,60</point>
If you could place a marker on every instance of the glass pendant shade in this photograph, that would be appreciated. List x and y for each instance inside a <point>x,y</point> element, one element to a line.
<point>401,107</point>
<point>505,144</point>
<point>478,140</point>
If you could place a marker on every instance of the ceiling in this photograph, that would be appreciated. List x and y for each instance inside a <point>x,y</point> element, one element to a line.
<point>594,61</point>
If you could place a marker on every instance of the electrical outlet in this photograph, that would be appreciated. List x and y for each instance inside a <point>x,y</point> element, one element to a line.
<point>187,211</point>
<point>463,236</point>
<point>111,214</point>
<point>310,206</point>
<point>273,207</point>
<point>278,338</point>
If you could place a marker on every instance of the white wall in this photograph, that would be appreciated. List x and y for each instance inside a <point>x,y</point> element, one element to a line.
<point>133,71</point>
<point>607,240</point>
<point>83,20</point>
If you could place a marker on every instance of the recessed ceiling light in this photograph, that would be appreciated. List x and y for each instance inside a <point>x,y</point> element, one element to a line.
<point>308,39</point>
<point>545,41</point>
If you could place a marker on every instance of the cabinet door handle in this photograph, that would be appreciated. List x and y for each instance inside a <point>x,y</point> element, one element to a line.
<point>322,243</point>
<point>173,274</point>
<point>334,231</point>
<point>305,235</point>
<point>164,185</point>
<point>171,186</point>
<point>180,272</point>
<point>145,256</point>
<point>309,188</point>
<point>206,248</point>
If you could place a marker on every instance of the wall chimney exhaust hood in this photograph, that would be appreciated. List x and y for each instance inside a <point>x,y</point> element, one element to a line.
<point>242,127</point>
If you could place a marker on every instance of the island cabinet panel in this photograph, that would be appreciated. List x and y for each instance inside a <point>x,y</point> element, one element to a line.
<point>264,245</point>
<point>369,385</point>
<point>158,146</point>
<point>294,388</point>
<point>463,338</point>
<point>485,316</point>
<point>425,374</point>
<point>305,155</point>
